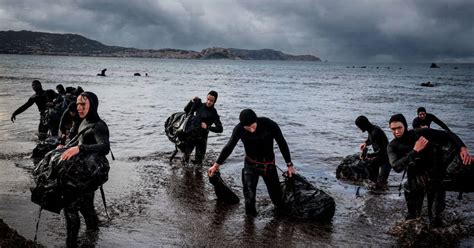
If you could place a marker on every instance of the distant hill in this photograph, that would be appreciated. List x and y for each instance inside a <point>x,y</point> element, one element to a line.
<point>39,43</point>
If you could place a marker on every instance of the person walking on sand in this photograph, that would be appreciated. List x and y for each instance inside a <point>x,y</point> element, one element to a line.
<point>257,135</point>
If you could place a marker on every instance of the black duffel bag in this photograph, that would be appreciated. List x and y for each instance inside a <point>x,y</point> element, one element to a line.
<point>459,177</point>
<point>304,201</point>
<point>61,182</point>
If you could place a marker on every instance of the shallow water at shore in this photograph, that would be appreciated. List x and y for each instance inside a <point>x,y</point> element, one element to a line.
<point>154,203</point>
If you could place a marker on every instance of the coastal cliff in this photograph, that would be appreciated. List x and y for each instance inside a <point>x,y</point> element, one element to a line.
<point>39,43</point>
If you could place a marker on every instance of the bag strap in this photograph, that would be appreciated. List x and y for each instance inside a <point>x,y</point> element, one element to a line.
<point>37,225</point>
<point>401,182</point>
<point>77,136</point>
<point>103,200</point>
<point>111,154</point>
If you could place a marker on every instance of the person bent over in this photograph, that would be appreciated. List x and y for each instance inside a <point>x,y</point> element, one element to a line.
<point>257,135</point>
<point>379,158</point>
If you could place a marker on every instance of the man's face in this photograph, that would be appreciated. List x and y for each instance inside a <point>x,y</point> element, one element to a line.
<point>251,128</point>
<point>83,106</point>
<point>210,101</point>
<point>422,115</point>
<point>36,87</point>
<point>397,129</point>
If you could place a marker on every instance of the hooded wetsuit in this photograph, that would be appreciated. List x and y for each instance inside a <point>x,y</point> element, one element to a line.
<point>418,123</point>
<point>378,140</point>
<point>69,124</point>
<point>209,116</point>
<point>94,140</point>
<point>424,169</point>
<point>259,160</point>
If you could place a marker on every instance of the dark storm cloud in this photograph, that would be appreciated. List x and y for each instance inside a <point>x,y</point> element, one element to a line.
<point>424,30</point>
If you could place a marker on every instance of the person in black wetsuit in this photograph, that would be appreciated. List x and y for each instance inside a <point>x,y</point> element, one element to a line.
<point>418,152</point>
<point>70,121</point>
<point>257,135</point>
<point>94,140</point>
<point>60,89</point>
<point>39,98</point>
<point>379,158</point>
<point>424,119</point>
<point>207,115</point>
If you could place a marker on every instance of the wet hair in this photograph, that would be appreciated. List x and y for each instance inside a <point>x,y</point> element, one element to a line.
<point>363,123</point>
<point>399,118</point>
<point>247,117</point>
<point>214,94</point>
<point>420,109</point>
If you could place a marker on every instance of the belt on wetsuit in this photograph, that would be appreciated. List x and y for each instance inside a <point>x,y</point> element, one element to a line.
<point>263,166</point>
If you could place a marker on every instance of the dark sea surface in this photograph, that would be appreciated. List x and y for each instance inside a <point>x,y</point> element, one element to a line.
<point>154,203</point>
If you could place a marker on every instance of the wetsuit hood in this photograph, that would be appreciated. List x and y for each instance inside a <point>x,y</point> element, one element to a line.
<point>247,117</point>
<point>214,94</point>
<point>420,109</point>
<point>400,118</point>
<point>92,115</point>
<point>78,90</point>
<point>37,87</point>
<point>60,89</point>
<point>363,123</point>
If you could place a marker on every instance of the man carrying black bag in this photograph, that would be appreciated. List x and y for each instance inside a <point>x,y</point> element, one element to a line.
<point>94,140</point>
<point>209,120</point>
<point>419,153</point>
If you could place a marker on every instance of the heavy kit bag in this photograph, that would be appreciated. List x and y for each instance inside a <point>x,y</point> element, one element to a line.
<point>353,168</point>
<point>61,182</point>
<point>304,201</point>
<point>459,177</point>
<point>44,147</point>
<point>181,127</point>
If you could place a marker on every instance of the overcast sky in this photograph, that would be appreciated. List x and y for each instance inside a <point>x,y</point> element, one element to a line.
<point>334,30</point>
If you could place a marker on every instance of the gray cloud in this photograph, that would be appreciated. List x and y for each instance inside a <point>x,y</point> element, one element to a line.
<point>411,30</point>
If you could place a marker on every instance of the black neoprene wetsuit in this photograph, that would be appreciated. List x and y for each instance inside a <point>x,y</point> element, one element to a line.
<point>94,140</point>
<point>259,161</point>
<point>40,99</point>
<point>378,140</point>
<point>417,122</point>
<point>424,169</point>
<point>258,145</point>
<point>209,116</point>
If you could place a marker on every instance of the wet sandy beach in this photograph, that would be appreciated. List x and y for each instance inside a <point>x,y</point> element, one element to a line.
<point>162,204</point>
